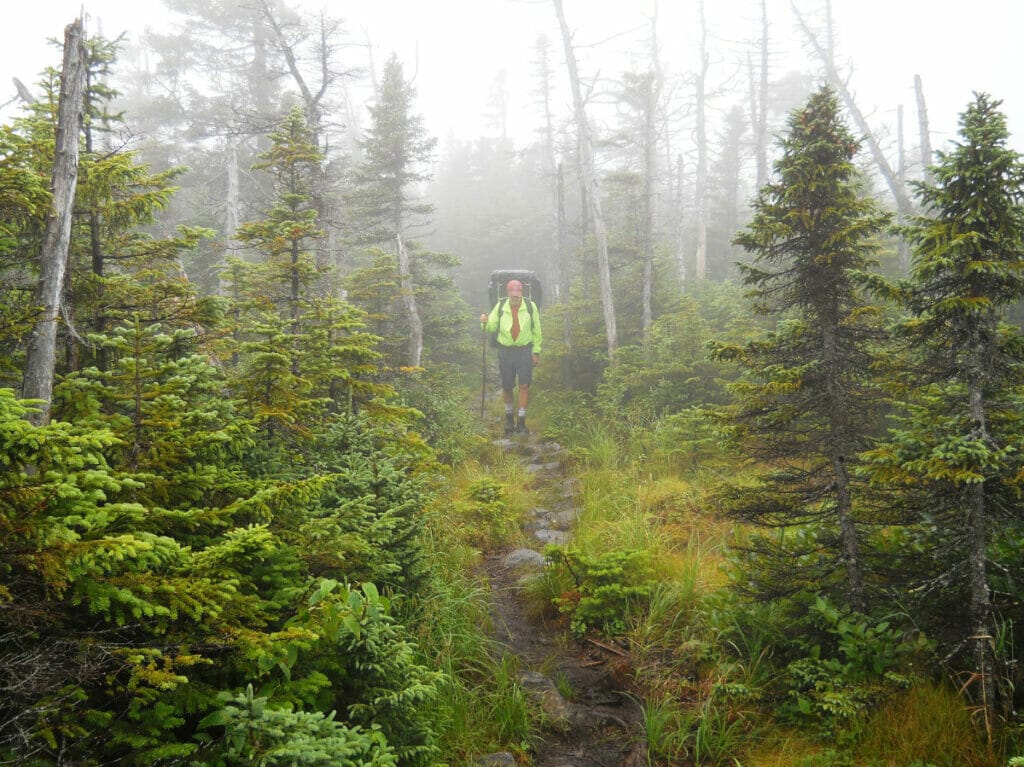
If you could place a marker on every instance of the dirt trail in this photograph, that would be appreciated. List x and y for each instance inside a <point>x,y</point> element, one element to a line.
<point>598,722</point>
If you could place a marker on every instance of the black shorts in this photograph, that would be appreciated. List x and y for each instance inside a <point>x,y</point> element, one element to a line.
<point>515,362</point>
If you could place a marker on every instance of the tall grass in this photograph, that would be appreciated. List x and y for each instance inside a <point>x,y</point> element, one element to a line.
<point>481,707</point>
<point>927,724</point>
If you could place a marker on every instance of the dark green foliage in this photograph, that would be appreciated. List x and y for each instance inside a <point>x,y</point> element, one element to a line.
<point>668,374</point>
<point>952,462</point>
<point>813,663</point>
<point>376,495</point>
<point>258,733</point>
<point>607,590</point>
<point>843,663</point>
<point>807,406</point>
<point>372,667</point>
<point>396,149</point>
<point>161,398</point>
<point>447,422</point>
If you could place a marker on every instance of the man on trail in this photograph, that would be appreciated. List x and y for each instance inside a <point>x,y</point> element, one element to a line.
<point>517,322</point>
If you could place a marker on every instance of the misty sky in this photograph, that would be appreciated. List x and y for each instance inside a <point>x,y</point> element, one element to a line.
<point>456,48</point>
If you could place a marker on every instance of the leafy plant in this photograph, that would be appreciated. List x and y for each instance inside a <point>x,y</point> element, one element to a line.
<point>608,588</point>
<point>256,732</point>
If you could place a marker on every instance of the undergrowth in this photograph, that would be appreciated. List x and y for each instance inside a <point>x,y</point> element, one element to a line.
<point>728,683</point>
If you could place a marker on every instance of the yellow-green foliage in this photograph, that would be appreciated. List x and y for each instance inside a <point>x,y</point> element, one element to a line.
<point>927,724</point>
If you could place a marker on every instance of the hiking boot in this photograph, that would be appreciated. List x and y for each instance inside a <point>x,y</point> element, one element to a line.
<point>521,426</point>
<point>510,423</point>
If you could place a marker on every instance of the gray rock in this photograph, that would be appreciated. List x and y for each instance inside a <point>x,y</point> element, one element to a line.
<point>500,759</point>
<point>523,557</point>
<point>558,537</point>
<point>543,690</point>
<point>563,520</point>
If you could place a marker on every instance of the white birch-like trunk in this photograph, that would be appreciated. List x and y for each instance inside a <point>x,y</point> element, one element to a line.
<point>923,132</point>
<point>761,122</point>
<point>680,227</point>
<point>589,177</point>
<point>409,300</point>
<point>37,380</point>
<point>701,265</point>
<point>649,171</point>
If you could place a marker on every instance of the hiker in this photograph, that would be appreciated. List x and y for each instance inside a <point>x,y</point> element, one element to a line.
<point>519,342</point>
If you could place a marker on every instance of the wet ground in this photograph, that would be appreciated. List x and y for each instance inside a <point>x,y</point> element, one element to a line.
<point>592,718</point>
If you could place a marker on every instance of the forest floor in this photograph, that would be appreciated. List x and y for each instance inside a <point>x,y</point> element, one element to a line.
<point>592,716</point>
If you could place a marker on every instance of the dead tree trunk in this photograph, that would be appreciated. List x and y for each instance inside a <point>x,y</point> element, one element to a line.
<point>589,176</point>
<point>700,192</point>
<point>649,171</point>
<point>556,178</point>
<point>903,248</point>
<point>37,380</point>
<point>924,134</point>
<point>312,102</point>
<point>680,224</point>
<point>409,299</point>
<point>824,54</point>
<point>760,118</point>
<point>563,283</point>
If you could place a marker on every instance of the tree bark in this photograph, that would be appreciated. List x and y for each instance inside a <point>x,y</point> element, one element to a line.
<point>923,132</point>
<point>982,640</point>
<point>760,119</point>
<point>589,175</point>
<point>903,247</point>
<point>564,286</point>
<point>840,448</point>
<point>680,224</point>
<point>649,171</point>
<point>409,299</point>
<point>37,381</point>
<point>700,192</point>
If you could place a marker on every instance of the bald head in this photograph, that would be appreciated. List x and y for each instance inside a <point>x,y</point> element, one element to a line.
<point>514,290</point>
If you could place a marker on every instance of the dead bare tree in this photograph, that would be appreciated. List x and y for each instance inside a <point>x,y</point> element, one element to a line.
<point>556,182</point>
<point>37,379</point>
<point>923,132</point>
<point>650,147</point>
<point>313,96</point>
<point>588,175</point>
<point>759,103</point>
<point>700,193</point>
<point>409,300</point>
<point>825,54</point>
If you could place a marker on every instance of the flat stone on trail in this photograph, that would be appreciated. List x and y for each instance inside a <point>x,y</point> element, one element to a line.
<point>563,520</point>
<point>523,558</point>
<point>557,537</point>
<point>500,759</point>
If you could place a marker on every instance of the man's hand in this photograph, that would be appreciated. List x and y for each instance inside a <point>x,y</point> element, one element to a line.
<point>536,359</point>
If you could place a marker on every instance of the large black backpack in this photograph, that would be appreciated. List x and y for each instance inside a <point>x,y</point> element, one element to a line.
<point>500,277</point>
<point>496,291</point>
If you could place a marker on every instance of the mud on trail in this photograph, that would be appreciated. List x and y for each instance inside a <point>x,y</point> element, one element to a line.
<point>599,720</point>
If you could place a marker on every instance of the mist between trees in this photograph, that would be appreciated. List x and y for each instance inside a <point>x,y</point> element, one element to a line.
<point>241,282</point>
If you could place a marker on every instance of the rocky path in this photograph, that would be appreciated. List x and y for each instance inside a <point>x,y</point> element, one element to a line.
<point>597,722</point>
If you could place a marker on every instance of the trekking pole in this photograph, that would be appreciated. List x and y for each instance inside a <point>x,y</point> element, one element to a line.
<point>483,374</point>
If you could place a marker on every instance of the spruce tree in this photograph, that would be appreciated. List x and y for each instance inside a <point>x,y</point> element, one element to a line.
<point>954,459</point>
<point>804,408</point>
<point>397,148</point>
<point>302,354</point>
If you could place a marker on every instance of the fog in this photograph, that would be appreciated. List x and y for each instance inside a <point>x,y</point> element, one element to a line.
<point>457,49</point>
